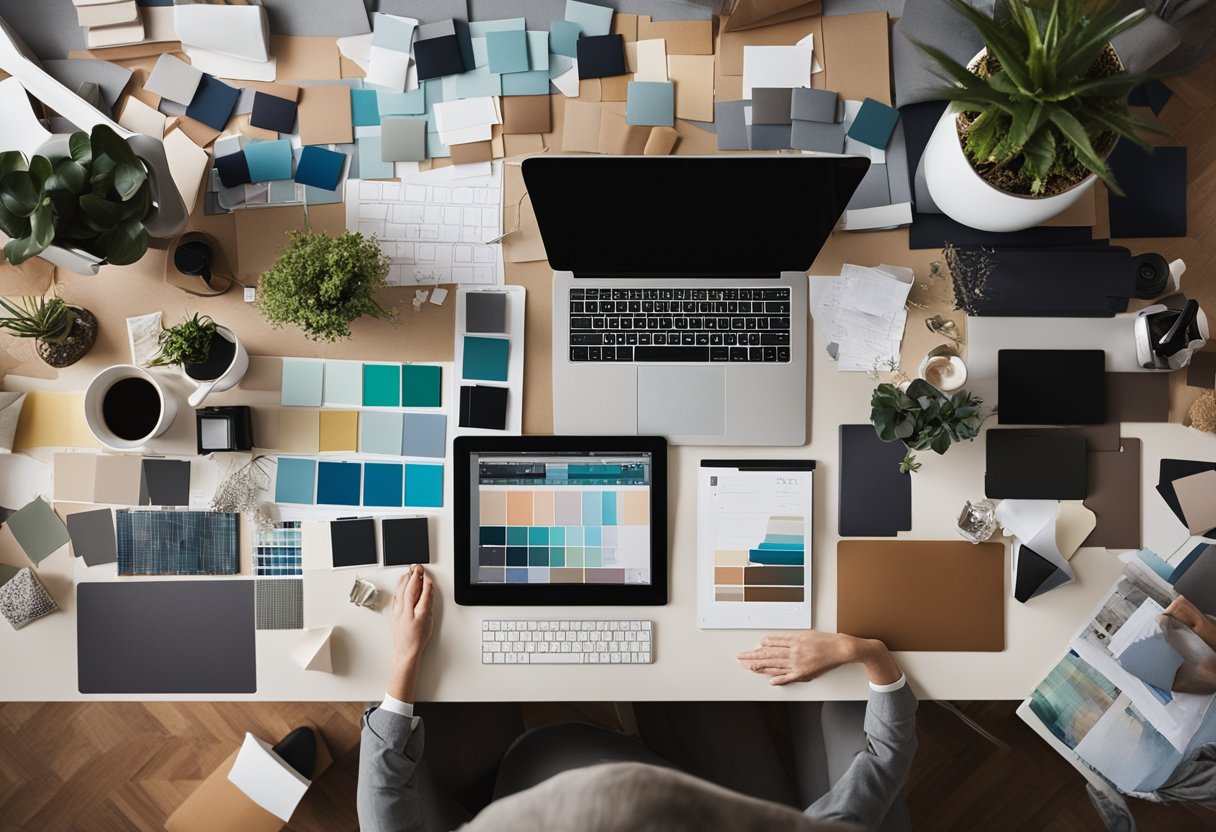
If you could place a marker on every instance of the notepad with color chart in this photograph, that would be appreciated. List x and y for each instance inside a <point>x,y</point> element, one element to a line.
<point>753,544</point>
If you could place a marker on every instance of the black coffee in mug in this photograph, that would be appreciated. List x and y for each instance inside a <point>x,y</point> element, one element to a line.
<point>131,408</point>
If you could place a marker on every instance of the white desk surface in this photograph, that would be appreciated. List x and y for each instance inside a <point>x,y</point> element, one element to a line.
<point>690,664</point>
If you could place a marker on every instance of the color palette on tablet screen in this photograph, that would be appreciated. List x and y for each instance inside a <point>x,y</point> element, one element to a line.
<point>564,535</point>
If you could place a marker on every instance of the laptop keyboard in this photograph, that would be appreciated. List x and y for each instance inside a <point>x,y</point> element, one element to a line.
<point>680,325</point>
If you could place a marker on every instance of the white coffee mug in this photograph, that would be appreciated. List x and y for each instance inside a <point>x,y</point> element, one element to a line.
<point>94,408</point>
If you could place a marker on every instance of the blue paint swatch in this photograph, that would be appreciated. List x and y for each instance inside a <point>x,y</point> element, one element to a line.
<point>269,161</point>
<point>485,359</point>
<point>382,484</point>
<point>650,103</point>
<point>294,481</point>
<point>874,123</point>
<point>425,434</point>
<point>507,51</point>
<point>563,38</point>
<point>364,108</point>
<point>424,486</point>
<point>338,483</point>
<point>320,168</point>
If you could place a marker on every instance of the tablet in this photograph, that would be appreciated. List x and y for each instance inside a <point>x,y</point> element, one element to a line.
<point>560,520</point>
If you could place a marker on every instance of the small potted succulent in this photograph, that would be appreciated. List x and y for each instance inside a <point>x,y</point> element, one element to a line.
<point>210,355</point>
<point>1035,113</point>
<point>924,418</point>
<point>63,333</point>
<point>321,284</point>
<point>80,203</point>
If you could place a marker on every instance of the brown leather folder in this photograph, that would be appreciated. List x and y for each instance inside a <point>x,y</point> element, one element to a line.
<point>922,594</point>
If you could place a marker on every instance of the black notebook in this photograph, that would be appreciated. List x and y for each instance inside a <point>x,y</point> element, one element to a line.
<point>1051,387</point>
<point>1022,467</point>
<point>875,498</point>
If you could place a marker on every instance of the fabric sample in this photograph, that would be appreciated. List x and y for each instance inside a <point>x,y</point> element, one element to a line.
<point>279,604</point>
<point>177,543</point>
<point>23,599</point>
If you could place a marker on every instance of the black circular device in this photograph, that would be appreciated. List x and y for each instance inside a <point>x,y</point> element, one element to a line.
<point>194,258</point>
<point>1152,275</point>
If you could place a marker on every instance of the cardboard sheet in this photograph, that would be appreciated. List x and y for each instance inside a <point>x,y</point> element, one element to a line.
<point>325,115</point>
<point>524,245</point>
<point>526,114</point>
<point>693,76</point>
<point>619,138</point>
<point>661,142</point>
<point>1137,397</point>
<point>856,55</point>
<point>922,595</point>
<point>683,37</point>
<point>306,58</point>
<point>730,44</point>
<point>752,14</point>
<point>581,128</point>
<point>1114,479</point>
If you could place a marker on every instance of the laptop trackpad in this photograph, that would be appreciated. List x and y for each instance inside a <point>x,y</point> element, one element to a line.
<point>682,401</point>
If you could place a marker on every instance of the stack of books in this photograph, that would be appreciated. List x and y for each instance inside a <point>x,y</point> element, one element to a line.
<point>110,23</point>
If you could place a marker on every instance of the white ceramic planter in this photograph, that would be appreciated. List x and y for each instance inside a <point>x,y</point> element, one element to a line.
<point>962,195</point>
<point>227,379</point>
<point>94,397</point>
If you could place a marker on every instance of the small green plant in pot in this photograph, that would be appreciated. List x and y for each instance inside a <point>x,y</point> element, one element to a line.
<point>63,333</point>
<point>94,199</point>
<point>321,284</point>
<point>188,343</point>
<point>924,418</point>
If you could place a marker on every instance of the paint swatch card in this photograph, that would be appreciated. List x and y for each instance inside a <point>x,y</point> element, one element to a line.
<point>485,359</point>
<point>754,544</point>
<point>405,541</point>
<point>353,541</point>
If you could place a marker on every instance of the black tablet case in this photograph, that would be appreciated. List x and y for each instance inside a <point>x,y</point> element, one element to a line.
<point>1035,467</point>
<point>1051,387</point>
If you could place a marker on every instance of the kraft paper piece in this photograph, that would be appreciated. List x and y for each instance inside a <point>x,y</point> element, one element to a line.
<point>324,115</point>
<point>625,25</point>
<point>693,76</point>
<point>299,430</point>
<point>525,244</point>
<point>683,37</point>
<point>619,138</point>
<point>751,14</point>
<point>859,67</point>
<point>661,142</point>
<point>199,133</point>
<point>53,420</point>
<point>581,127</point>
<point>471,153</point>
<point>525,144</point>
<point>313,650</point>
<point>615,88</point>
<point>74,476</point>
<point>1197,499</point>
<point>306,59</point>
<point>526,114</point>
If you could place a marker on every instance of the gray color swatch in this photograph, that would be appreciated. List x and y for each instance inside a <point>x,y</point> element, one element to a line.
<point>174,79</point>
<point>280,604</point>
<point>898,182</point>
<point>770,137</point>
<point>166,637</point>
<point>92,534</point>
<point>486,312</point>
<point>873,190</point>
<point>166,482</point>
<point>51,30</point>
<point>403,139</point>
<point>771,105</point>
<point>814,135</point>
<point>731,128</point>
<point>317,18</point>
<point>425,434</point>
<point>814,105</point>
<point>110,78</point>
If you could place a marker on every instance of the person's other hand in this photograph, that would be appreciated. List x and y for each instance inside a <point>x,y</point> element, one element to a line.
<point>412,620</point>
<point>803,656</point>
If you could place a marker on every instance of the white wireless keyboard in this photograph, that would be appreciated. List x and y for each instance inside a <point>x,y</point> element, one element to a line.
<point>567,642</point>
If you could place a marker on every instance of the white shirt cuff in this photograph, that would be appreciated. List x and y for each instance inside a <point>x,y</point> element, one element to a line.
<point>891,688</point>
<point>396,706</point>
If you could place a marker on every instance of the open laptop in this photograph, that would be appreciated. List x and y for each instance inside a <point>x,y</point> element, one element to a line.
<point>679,290</point>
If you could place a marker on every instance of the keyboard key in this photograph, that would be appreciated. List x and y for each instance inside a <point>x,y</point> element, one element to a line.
<point>586,339</point>
<point>578,353</point>
<point>580,323</point>
<point>673,354</point>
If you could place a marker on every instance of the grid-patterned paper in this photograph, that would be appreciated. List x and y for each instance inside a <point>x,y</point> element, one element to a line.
<point>280,604</point>
<point>177,543</point>
<point>277,550</point>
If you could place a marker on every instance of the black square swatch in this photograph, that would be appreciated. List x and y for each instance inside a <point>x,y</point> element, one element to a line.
<point>1051,387</point>
<point>233,170</point>
<point>1154,185</point>
<point>166,482</point>
<point>353,540</point>
<point>406,540</point>
<point>483,407</point>
<point>875,498</point>
<point>273,113</point>
<point>1021,467</point>
<point>438,57</point>
<point>601,56</point>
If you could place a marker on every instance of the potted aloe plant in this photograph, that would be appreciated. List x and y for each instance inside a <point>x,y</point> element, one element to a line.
<point>79,203</point>
<point>1034,114</point>
<point>209,355</point>
<point>924,418</point>
<point>63,333</point>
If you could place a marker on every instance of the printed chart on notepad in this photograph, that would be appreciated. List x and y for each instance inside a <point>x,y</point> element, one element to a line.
<point>432,232</point>
<point>754,565</point>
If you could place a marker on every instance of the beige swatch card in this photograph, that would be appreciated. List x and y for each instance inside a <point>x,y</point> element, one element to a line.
<point>693,76</point>
<point>299,430</point>
<point>1197,499</point>
<point>74,476</point>
<point>117,479</point>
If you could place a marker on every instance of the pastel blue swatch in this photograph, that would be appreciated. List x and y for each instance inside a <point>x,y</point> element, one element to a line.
<point>436,149</point>
<point>364,108</point>
<point>535,82</point>
<point>320,168</point>
<point>538,50</point>
<point>485,359</point>
<point>380,433</point>
<point>295,480</point>
<point>507,51</point>
<point>338,483</point>
<point>424,486</point>
<point>371,159</point>
<point>269,161</point>
<point>476,83</point>
<point>563,38</point>
<point>425,434</point>
<point>383,484</point>
<point>480,28</point>
<point>651,103</point>
<point>392,32</point>
<point>593,20</point>
<point>344,383</point>
<point>302,383</point>
<point>412,103</point>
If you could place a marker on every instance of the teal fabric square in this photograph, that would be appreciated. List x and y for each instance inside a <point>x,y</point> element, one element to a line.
<point>538,50</point>
<point>593,20</point>
<point>534,82</point>
<point>381,385</point>
<point>269,161</point>
<point>485,359</point>
<point>421,385</point>
<point>563,38</point>
<point>294,481</point>
<point>873,125</point>
<point>302,383</point>
<point>380,432</point>
<point>383,485</point>
<point>507,51</point>
<point>371,159</point>
<point>650,103</point>
<point>424,486</point>
<point>364,108</point>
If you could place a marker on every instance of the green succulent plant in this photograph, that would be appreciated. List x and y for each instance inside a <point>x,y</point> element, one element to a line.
<point>321,284</point>
<point>44,319</point>
<point>924,418</point>
<point>1051,98</point>
<point>94,199</point>
<point>187,343</point>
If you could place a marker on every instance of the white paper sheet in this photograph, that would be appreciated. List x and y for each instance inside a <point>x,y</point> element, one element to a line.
<point>266,779</point>
<point>651,60</point>
<point>776,66</point>
<point>387,68</point>
<point>226,66</point>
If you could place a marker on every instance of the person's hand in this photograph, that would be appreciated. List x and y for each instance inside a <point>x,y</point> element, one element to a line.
<point>1185,612</point>
<point>410,615</point>
<point>803,656</point>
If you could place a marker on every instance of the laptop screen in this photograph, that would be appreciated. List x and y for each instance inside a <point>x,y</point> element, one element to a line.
<point>695,216</point>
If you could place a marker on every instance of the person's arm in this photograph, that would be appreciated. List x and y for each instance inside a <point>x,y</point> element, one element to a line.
<point>393,737</point>
<point>865,792</point>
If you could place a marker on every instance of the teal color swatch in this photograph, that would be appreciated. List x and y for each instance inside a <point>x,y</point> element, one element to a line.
<point>302,383</point>
<point>383,484</point>
<point>338,483</point>
<point>421,385</point>
<point>381,385</point>
<point>269,161</point>
<point>364,108</point>
<point>380,432</point>
<point>481,28</point>
<point>507,51</point>
<point>343,383</point>
<point>538,50</point>
<point>485,359</point>
<point>424,486</point>
<point>371,159</point>
<point>873,125</point>
<point>476,83</point>
<point>295,480</point>
<point>593,20</point>
<point>651,103</point>
<point>609,514</point>
<point>563,38</point>
<point>412,103</point>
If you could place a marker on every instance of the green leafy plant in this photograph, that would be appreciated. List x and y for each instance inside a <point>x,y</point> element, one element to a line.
<point>45,319</point>
<point>94,199</point>
<point>1049,100</point>
<point>924,418</point>
<point>322,283</point>
<point>187,343</point>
